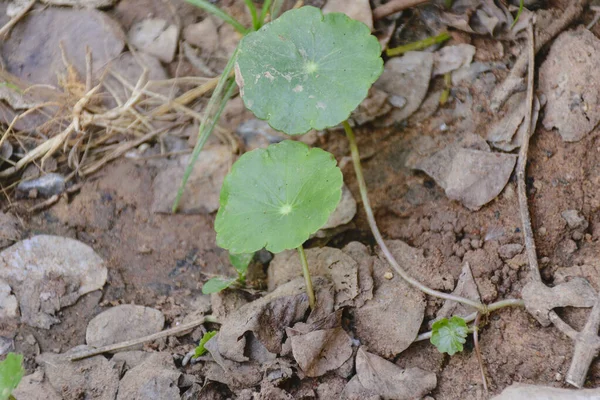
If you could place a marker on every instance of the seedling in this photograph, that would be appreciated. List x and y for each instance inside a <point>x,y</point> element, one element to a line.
<point>303,71</point>
<point>11,372</point>
<point>240,262</point>
<point>276,198</point>
<point>449,335</point>
<point>201,350</point>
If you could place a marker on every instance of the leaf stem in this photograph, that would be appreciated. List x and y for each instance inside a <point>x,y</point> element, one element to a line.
<point>306,273</point>
<point>217,12</point>
<point>418,45</point>
<point>375,230</point>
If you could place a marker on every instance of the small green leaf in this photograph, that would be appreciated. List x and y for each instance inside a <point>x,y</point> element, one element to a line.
<point>240,262</point>
<point>215,285</point>
<point>200,350</point>
<point>277,197</point>
<point>306,70</point>
<point>449,335</point>
<point>11,372</point>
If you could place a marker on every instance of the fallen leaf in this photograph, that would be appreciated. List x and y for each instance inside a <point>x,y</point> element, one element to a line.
<point>267,318</point>
<point>466,288</point>
<point>451,58</point>
<point>568,79</point>
<point>234,374</point>
<point>329,262</point>
<point>472,176</point>
<point>519,391</point>
<point>390,322</point>
<point>391,382</point>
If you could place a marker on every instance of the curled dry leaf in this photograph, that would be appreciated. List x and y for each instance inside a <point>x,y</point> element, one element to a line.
<point>234,374</point>
<point>326,261</point>
<point>321,346</point>
<point>569,80</point>
<point>541,299</point>
<point>406,80</point>
<point>507,132</point>
<point>267,318</point>
<point>386,379</point>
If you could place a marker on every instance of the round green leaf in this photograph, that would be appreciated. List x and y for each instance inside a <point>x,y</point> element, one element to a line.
<point>216,285</point>
<point>449,335</point>
<point>306,70</point>
<point>277,197</point>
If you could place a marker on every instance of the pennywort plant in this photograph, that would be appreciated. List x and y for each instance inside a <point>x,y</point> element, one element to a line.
<point>304,71</point>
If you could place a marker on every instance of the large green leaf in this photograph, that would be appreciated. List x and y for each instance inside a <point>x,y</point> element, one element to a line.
<point>11,372</point>
<point>449,335</point>
<point>277,197</point>
<point>307,70</point>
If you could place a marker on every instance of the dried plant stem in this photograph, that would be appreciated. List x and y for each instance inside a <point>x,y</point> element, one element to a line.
<point>307,279</point>
<point>394,6</point>
<point>134,342</point>
<point>478,352</point>
<point>8,26</point>
<point>379,239</point>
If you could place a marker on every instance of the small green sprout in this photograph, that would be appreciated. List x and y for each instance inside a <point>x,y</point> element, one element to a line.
<point>11,372</point>
<point>201,350</point>
<point>449,335</point>
<point>240,262</point>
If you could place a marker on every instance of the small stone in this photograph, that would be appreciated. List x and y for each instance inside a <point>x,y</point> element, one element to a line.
<point>47,185</point>
<point>508,251</point>
<point>577,235</point>
<point>542,231</point>
<point>204,35</point>
<point>155,37</point>
<point>574,219</point>
<point>121,323</point>
<point>388,275</point>
<point>9,308</point>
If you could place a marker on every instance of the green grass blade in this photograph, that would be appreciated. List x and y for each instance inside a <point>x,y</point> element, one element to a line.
<point>253,13</point>
<point>418,45</point>
<point>226,85</point>
<point>216,11</point>
<point>521,5</point>
<point>264,11</point>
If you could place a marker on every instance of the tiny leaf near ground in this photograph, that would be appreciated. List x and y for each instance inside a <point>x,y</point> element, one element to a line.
<point>11,372</point>
<point>216,285</point>
<point>277,197</point>
<point>306,70</point>
<point>449,335</point>
<point>240,262</point>
<point>201,350</point>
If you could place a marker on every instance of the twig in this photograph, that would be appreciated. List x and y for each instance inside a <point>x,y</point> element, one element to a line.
<point>513,81</point>
<point>394,6</point>
<point>8,26</point>
<point>587,342</point>
<point>522,166</point>
<point>478,352</point>
<point>129,343</point>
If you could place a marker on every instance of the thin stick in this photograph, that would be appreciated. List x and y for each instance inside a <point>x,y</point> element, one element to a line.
<point>6,28</point>
<point>306,273</point>
<point>478,352</point>
<point>134,342</point>
<point>522,166</point>
<point>379,239</point>
<point>394,6</point>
